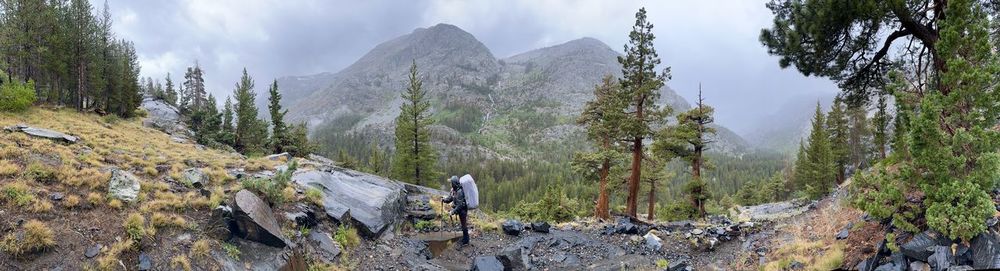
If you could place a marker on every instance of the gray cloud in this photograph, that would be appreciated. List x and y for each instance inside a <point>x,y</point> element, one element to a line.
<point>713,42</point>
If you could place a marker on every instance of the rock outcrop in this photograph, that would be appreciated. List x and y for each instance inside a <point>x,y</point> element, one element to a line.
<point>371,202</point>
<point>255,221</point>
<point>771,211</point>
<point>164,117</point>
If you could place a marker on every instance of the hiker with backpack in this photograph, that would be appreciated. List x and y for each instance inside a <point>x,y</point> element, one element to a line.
<point>464,197</point>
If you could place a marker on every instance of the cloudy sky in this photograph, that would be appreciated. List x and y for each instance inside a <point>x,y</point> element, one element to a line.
<point>713,42</point>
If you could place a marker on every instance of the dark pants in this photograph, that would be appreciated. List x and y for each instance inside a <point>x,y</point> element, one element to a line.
<point>464,218</point>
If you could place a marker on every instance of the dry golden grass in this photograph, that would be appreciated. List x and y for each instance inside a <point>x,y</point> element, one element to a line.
<point>180,262</point>
<point>109,261</point>
<point>817,248</point>
<point>163,200</point>
<point>8,168</point>
<point>95,199</point>
<point>201,248</point>
<point>125,143</point>
<point>36,236</point>
<point>41,206</point>
<point>90,177</point>
<point>161,220</point>
<point>115,204</point>
<point>71,201</point>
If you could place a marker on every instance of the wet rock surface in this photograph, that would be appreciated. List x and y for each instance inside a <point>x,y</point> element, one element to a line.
<point>372,202</point>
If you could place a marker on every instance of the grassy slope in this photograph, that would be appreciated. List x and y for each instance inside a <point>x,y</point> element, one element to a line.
<point>36,168</point>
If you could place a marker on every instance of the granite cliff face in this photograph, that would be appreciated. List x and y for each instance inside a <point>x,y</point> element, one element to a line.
<point>529,98</point>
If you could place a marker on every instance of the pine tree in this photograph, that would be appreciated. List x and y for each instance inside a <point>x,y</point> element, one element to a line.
<point>194,88</point>
<point>688,140</point>
<point>859,137</point>
<point>250,132</point>
<point>640,84</point>
<point>376,160</point>
<point>601,117</point>
<point>226,132</point>
<point>837,129</point>
<point>819,170</point>
<point>955,140</point>
<point>799,171</point>
<point>299,137</point>
<point>881,127</point>
<point>279,133</point>
<point>415,159</point>
<point>170,94</point>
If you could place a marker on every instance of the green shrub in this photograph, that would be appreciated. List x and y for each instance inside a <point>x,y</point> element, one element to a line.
<point>554,206</point>
<point>347,237</point>
<point>272,189</point>
<point>16,96</point>
<point>315,196</point>
<point>677,210</point>
<point>231,250</point>
<point>16,193</point>
<point>135,226</point>
<point>423,225</point>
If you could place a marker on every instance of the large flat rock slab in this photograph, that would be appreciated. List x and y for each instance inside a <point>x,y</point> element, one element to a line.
<point>43,133</point>
<point>371,202</point>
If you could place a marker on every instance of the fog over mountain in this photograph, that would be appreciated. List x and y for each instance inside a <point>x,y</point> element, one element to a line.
<point>709,42</point>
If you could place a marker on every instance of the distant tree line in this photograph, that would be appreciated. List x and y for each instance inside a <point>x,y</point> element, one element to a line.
<point>69,56</point>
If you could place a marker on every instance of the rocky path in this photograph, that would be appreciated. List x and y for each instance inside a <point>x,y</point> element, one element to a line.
<point>590,245</point>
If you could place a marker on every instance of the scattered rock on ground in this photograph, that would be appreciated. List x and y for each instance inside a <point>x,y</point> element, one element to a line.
<point>255,221</point>
<point>941,258</point>
<point>917,247</point>
<point>93,251</point>
<point>259,257</point>
<point>512,227</point>
<point>123,185</point>
<point>843,234</point>
<point>145,263</point>
<point>540,226</point>
<point>487,263</point>
<point>653,242</point>
<point>986,251</point>
<point>326,248</point>
<point>195,177</point>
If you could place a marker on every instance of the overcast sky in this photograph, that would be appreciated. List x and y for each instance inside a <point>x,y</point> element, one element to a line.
<point>709,41</point>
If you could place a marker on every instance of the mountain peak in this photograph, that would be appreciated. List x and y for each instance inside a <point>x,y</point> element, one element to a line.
<point>587,42</point>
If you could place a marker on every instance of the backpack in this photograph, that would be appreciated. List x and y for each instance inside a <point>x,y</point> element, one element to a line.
<point>470,190</point>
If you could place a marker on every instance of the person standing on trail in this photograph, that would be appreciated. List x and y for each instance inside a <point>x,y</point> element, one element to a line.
<point>459,206</point>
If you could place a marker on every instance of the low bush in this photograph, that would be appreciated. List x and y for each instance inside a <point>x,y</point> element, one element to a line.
<point>554,206</point>
<point>16,96</point>
<point>347,237</point>
<point>135,226</point>
<point>16,193</point>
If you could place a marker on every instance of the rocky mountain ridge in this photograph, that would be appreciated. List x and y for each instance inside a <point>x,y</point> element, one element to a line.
<point>536,94</point>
